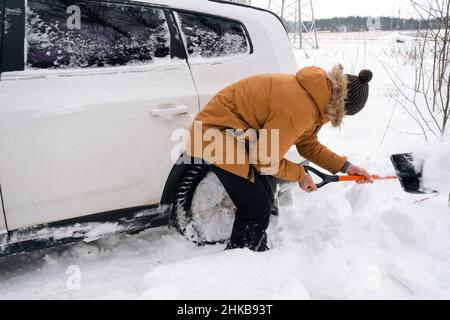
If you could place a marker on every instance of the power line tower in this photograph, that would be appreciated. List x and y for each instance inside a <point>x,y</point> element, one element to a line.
<point>298,16</point>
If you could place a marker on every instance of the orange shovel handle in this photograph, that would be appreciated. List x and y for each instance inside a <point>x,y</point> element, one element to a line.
<point>327,179</point>
<point>359,178</point>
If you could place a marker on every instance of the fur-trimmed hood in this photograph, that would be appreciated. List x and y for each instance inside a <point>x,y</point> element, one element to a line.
<point>328,90</point>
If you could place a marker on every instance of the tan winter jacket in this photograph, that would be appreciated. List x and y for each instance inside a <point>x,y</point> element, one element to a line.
<point>297,105</point>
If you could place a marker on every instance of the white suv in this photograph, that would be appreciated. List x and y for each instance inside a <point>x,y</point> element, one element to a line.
<point>90,94</point>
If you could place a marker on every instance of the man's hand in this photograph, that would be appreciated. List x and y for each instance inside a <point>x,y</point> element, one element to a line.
<point>308,184</point>
<point>358,171</point>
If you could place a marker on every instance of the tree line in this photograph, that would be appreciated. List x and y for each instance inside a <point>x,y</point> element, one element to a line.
<point>355,24</point>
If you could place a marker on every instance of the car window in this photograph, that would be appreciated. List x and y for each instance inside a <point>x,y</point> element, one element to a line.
<point>2,7</point>
<point>80,34</point>
<point>210,37</point>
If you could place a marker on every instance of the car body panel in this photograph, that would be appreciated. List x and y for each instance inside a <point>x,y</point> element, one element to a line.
<point>71,147</point>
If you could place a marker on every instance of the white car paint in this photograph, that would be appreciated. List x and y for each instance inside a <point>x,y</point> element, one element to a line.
<point>80,142</point>
<point>88,143</point>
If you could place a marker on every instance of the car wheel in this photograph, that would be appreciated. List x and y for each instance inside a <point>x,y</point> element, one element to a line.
<point>202,209</point>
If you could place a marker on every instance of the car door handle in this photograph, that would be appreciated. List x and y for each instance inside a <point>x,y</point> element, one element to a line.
<point>170,111</point>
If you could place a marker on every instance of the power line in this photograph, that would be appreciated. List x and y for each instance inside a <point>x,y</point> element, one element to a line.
<point>298,16</point>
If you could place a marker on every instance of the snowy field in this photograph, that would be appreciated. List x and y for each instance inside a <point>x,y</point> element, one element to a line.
<point>344,242</point>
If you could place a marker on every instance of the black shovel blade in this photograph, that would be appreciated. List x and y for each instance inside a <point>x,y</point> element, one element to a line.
<point>409,172</point>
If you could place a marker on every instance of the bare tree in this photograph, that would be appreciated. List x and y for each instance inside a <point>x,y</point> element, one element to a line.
<point>427,99</point>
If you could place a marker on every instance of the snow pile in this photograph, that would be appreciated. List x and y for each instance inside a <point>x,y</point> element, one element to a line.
<point>237,274</point>
<point>367,242</point>
<point>436,168</point>
<point>213,216</point>
<point>347,241</point>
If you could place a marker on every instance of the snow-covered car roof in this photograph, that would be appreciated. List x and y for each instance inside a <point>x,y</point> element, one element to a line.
<point>228,10</point>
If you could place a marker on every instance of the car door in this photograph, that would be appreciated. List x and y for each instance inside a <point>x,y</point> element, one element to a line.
<point>86,126</point>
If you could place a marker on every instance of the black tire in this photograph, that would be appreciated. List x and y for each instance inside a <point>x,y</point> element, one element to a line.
<point>182,212</point>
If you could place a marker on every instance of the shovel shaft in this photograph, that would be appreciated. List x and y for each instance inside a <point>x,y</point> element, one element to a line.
<point>359,178</point>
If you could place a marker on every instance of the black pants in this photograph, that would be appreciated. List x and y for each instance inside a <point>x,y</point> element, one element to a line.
<point>254,202</point>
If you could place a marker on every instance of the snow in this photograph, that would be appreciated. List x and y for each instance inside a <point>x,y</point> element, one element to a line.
<point>157,64</point>
<point>213,217</point>
<point>228,280</point>
<point>436,168</point>
<point>345,242</point>
<point>91,232</point>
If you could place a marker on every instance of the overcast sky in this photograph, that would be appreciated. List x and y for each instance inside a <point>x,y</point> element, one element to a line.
<point>333,8</point>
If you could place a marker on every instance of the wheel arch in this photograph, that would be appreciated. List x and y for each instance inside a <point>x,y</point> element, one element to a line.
<point>170,188</point>
<point>175,176</point>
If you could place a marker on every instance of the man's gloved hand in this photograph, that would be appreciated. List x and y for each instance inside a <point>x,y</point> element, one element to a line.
<point>308,184</point>
<point>358,171</point>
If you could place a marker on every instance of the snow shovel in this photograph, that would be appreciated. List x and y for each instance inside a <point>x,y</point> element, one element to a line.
<point>409,171</point>
<point>327,179</point>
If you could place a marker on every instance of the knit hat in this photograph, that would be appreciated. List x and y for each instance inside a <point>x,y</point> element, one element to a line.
<point>358,92</point>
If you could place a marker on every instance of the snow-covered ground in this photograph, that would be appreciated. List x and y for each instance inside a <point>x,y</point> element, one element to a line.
<point>346,241</point>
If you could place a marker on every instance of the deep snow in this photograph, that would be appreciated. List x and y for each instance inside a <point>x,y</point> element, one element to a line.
<point>346,241</point>
<point>436,167</point>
